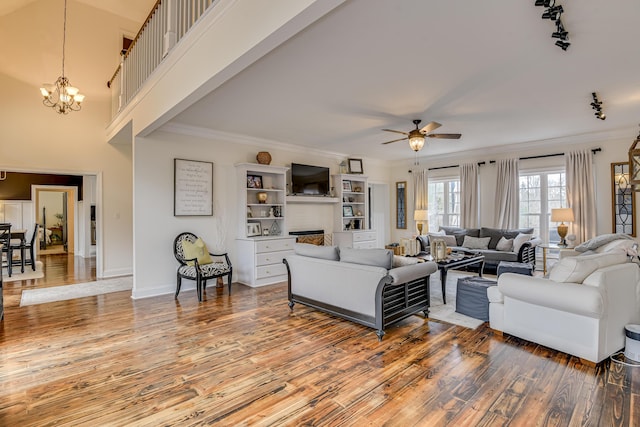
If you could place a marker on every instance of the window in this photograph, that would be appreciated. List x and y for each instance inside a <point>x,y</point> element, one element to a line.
<point>444,203</point>
<point>539,193</point>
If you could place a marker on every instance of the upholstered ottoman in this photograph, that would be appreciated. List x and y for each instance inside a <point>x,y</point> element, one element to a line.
<point>471,297</point>
<point>515,267</point>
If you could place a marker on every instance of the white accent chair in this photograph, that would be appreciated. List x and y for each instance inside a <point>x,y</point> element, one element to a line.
<point>581,309</point>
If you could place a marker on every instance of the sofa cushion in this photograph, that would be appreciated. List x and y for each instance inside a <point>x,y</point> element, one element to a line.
<point>476,242</point>
<point>603,239</point>
<point>449,240</point>
<point>627,245</point>
<point>576,269</point>
<point>459,233</point>
<point>315,251</point>
<point>493,257</point>
<point>505,245</point>
<point>520,240</point>
<point>497,233</point>
<point>374,257</point>
<point>424,243</point>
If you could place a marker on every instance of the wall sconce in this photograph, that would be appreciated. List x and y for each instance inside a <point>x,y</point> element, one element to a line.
<point>634,164</point>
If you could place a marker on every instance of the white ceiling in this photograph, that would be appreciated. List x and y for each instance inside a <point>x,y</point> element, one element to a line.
<point>486,69</point>
<point>136,10</point>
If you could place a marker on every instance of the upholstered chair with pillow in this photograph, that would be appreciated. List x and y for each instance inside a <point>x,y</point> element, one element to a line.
<point>197,263</point>
<point>580,309</point>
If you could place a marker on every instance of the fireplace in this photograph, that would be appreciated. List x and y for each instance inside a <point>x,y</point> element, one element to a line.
<point>315,237</point>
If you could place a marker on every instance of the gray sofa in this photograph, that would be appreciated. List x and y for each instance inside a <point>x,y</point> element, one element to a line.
<point>360,285</point>
<point>492,255</point>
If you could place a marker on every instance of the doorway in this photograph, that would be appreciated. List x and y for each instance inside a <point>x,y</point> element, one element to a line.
<point>55,212</point>
<point>379,209</point>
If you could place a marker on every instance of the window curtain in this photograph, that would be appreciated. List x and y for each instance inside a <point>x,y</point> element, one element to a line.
<point>507,194</point>
<point>469,195</point>
<point>581,195</point>
<point>421,192</point>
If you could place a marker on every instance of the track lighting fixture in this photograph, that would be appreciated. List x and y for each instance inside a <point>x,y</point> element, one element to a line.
<point>554,13</point>
<point>597,107</point>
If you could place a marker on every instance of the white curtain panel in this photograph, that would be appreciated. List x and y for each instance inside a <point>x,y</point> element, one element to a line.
<point>507,194</point>
<point>469,195</point>
<point>581,194</point>
<point>420,190</point>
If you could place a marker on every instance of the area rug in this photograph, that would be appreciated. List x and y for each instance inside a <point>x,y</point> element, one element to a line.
<point>27,275</point>
<point>79,290</point>
<point>447,312</point>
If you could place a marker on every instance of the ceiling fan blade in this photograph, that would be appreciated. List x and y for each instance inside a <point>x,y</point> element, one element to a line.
<point>395,140</point>
<point>431,126</point>
<point>396,131</point>
<point>444,135</point>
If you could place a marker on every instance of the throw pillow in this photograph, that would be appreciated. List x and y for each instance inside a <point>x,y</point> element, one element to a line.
<point>504,245</point>
<point>375,257</point>
<point>476,242</point>
<point>601,240</point>
<point>197,250</point>
<point>520,240</point>
<point>449,240</point>
<point>315,251</point>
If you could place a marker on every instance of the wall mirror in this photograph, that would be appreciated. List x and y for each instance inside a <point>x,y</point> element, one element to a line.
<point>623,200</point>
<point>401,204</point>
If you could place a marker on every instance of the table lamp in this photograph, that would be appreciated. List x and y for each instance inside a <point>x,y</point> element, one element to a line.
<point>561,215</point>
<point>420,215</point>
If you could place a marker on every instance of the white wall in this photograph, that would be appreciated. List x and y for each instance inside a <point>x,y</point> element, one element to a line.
<point>36,139</point>
<point>156,227</point>
<point>612,151</point>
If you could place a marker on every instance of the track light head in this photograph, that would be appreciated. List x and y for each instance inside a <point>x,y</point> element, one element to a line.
<point>553,13</point>
<point>562,35</point>
<point>549,3</point>
<point>539,2</point>
<point>563,45</point>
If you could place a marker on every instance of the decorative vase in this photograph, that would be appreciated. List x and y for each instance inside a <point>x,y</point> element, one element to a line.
<point>264,158</point>
<point>262,197</point>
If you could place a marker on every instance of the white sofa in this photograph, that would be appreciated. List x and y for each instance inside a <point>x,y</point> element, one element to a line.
<point>360,285</point>
<point>581,309</point>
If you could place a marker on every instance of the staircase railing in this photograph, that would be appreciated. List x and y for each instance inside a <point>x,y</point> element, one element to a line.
<point>166,25</point>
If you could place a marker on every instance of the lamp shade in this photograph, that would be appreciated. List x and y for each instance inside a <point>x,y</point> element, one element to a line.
<point>562,215</point>
<point>420,215</point>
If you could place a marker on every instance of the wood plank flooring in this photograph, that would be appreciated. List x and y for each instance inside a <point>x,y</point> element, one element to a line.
<point>245,359</point>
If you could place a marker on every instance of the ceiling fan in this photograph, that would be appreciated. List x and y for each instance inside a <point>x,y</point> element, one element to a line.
<point>417,136</point>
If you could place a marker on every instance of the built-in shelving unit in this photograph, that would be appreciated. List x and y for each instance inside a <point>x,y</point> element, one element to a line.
<point>260,252</point>
<point>351,213</point>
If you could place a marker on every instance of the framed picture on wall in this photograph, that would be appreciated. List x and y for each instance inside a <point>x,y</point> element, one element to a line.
<point>355,166</point>
<point>192,188</point>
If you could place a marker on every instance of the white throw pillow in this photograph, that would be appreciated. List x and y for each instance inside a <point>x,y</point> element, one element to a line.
<point>504,245</point>
<point>576,269</point>
<point>401,261</point>
<point>476,242</point>
<point>520,240</point>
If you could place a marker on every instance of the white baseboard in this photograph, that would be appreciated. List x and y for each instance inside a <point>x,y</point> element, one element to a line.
<point>167,289</point>
<point>116,272</point>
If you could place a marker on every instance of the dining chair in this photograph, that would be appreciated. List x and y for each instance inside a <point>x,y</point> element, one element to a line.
<point>23,246</point>
<point>7,251</point>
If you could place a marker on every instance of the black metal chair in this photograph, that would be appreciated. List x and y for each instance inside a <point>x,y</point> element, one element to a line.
<point>5,242</point>
<point>23,246</point>
<point>199,272</point>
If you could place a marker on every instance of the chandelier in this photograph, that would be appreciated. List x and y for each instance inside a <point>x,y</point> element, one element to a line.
<point>61,96</point>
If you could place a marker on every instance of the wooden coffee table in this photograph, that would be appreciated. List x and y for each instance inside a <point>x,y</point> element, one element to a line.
<point>454,262</point>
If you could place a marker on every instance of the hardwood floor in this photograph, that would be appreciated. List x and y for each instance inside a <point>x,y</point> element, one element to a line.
<point>245,359</point>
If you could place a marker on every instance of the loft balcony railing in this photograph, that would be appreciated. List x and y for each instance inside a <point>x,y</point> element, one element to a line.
<point>166,25</point>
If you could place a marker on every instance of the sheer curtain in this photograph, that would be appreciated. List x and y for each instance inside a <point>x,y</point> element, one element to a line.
<point>421,191</point>
<point>507,194</point>
<point>581,195</point>
<point>469,195</point>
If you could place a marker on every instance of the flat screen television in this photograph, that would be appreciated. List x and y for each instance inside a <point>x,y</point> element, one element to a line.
<point>309,180</point>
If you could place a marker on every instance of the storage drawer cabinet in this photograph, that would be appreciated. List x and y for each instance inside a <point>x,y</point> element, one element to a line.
<point>357,239</point>
<point>260,260</point>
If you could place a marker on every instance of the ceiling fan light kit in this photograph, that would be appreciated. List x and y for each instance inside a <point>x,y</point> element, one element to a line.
<point>416,137</point>
<point>554,13</point>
